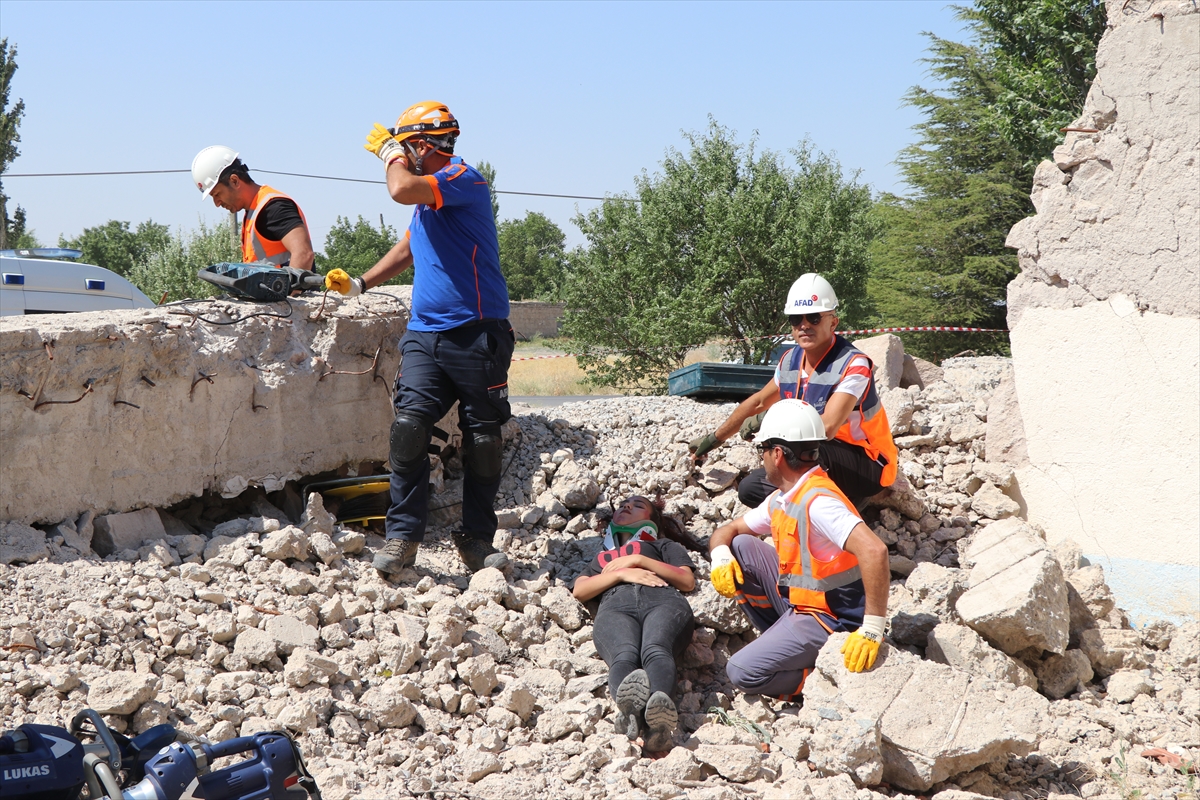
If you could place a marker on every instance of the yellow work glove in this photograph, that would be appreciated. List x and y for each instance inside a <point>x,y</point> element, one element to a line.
<point>381,142</point>
<point>338,280</point>
<point>862,647</point>
<point>726,573</point>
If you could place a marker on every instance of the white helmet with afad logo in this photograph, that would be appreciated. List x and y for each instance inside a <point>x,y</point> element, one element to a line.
<point>208,165</point>
<point>792,420</point>
<point>810,294</point>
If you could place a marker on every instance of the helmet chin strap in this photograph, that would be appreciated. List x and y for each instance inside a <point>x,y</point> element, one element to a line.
<point>418,161</point>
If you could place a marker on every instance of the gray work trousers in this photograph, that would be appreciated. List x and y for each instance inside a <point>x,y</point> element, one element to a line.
<point>778,661</point>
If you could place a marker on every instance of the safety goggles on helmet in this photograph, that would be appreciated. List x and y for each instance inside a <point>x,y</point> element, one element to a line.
<point>811,319</point>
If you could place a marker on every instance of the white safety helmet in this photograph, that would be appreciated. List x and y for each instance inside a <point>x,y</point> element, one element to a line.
<point>792,420</point>
<point>810,294</point>
<point>208,165</point>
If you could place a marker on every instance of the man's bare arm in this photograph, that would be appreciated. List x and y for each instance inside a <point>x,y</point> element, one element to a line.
<point>726,533</point>
<point>299,246</point>
<point>837,411</point>
<point>756,403</point>
<point>872,555</point>
<point>406,188</point>
<point>398,259</point>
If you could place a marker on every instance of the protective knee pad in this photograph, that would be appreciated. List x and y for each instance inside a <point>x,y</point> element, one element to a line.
<point>409,444</point>
<point>482,453</point>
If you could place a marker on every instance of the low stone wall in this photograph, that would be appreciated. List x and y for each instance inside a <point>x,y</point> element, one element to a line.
<point>114,411</point>
<point>529,317</point>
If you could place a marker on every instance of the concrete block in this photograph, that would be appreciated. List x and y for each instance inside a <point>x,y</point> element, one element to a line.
<point>129,531</point>
<point>1060,675</point>
<point>21,543</point>
<point>1112,649</point>
<point>962,648</point>
<point>259,422</point>
<point>1017,595</point>
<point>887,356</point>
<point>974,720</point>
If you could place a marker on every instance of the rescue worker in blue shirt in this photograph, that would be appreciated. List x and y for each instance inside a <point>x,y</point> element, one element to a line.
<point>459,343</point>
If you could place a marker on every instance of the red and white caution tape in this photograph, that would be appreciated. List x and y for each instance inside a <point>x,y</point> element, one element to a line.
<point>939,328</point>
<point>538,358</point>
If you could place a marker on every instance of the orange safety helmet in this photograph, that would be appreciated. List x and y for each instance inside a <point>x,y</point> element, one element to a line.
<point>426,117</point>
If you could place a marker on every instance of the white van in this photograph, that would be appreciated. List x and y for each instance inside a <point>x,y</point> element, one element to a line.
<point>47,280</point>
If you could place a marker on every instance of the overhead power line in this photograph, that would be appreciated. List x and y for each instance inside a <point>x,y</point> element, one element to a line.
<point>271,172</point>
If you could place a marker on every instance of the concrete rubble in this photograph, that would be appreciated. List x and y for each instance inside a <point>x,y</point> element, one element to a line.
<point>230,616</point>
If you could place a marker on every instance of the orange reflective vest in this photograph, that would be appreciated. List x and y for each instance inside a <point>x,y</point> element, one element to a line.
<point>868,426</point>
<point>255,246</point>
<point>835,587</point>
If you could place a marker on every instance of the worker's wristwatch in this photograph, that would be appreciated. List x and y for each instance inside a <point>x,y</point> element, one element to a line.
<point>362,285</point>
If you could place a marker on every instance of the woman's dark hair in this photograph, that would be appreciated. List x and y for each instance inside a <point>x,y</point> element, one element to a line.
<point>667,526</point>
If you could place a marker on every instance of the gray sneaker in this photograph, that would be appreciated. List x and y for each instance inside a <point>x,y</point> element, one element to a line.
<point>631,700</point>
<point>476,553</point>
<point>661,720</point>
<point>396,555</point>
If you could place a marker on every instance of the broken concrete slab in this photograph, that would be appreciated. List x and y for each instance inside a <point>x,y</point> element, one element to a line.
<point>21,543</point>
<point>1059,676</point>
<point>175,409</point>
<point>1017,595</point>
<point>887,356</point>
<point>129,531</point>
<point>962,648</point>
<point>976,720</point>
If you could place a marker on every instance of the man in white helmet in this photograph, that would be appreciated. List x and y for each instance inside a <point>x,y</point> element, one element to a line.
<point>827,571</point>
<point>833,376</point>
<point>273,226</point>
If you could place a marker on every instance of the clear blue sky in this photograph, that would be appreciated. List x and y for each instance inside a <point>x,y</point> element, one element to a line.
<point>569,98</point>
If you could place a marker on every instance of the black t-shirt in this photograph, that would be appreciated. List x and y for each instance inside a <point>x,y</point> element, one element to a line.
<point>664,550</point>
<point>278,218</point>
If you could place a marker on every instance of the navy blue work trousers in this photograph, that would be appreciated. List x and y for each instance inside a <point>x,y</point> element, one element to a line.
<point>468,364</point>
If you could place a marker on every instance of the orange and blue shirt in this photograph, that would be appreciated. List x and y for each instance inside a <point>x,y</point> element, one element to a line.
<point>456,256</point>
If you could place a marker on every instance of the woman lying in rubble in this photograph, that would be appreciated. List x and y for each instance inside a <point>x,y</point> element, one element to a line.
<point>644,622</point>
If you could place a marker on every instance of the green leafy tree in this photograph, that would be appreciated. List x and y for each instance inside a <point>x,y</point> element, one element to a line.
<point>114,246</point>
<point>1043,55</point>
<point>12,229</point>
<point>356,247</point>
<point>170,267</point>
<point>941,259</point>
<point>532,257</point>
<point>489,174</point>
<point>708,249</point>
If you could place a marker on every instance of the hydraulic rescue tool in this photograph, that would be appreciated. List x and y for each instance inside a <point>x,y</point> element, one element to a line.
<point>263,283</point>
<point>45,762</point>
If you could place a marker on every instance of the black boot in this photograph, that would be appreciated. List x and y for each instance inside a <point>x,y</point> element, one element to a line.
<point>476,553</point>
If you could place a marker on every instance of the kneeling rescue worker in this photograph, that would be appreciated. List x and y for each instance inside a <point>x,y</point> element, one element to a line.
<point>827,570</point>
<point>458,345</point>
<point>832,375</point>
<point>273,226</point>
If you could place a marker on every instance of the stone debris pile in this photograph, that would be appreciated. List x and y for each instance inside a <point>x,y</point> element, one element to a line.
<point>1009,670</point>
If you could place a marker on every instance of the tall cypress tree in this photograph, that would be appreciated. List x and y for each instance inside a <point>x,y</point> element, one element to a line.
<point>941,259</point>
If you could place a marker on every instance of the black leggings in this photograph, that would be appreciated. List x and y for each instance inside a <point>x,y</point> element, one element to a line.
<point>645,627</point>
<point>854,472</point>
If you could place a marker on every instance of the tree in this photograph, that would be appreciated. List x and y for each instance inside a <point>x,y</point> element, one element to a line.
<point>114,246</point>
<point>489,174</point>
<point>708,248</point>
<point>170,267</point>
<point>532,257</point>
<point>357,247</point>
<point>11,230</point>
<point>941,259</point>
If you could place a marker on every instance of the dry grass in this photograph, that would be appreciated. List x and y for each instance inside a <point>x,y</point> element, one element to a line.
<point>562,376</point>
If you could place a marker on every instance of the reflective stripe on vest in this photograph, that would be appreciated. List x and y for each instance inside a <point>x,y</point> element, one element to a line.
<point>867,426</point>
<point>807,578</point>
<point>255,246</point>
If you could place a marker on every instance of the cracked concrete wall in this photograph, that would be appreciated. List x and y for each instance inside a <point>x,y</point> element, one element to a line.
<point>149,430</point>
<point>1105,316</point>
